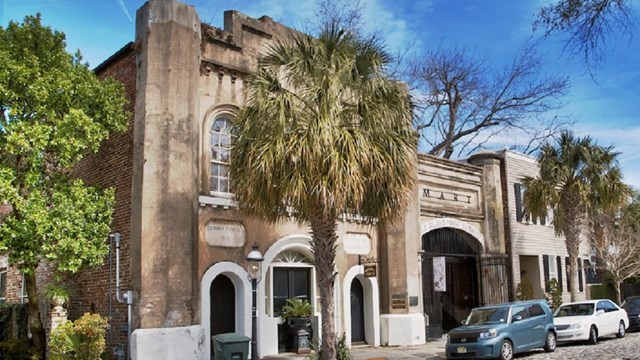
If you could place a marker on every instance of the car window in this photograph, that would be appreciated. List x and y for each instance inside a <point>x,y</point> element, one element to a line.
<point>535,310</point>
<point>574,310</point>
<point>609,306</point>
<point>631,304</point>
<point>519,310</point>
<point>488,315</point>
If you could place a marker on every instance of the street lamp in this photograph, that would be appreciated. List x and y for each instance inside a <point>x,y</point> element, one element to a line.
<point>254,267</point>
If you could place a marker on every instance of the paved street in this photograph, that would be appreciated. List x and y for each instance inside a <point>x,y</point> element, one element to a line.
<point>609,348</point>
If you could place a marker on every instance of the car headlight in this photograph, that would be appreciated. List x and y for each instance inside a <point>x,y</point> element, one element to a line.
<point>488,334</point>
<point>576,326</point>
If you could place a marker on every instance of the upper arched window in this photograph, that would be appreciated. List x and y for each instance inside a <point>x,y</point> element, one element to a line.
<point>221,142</point>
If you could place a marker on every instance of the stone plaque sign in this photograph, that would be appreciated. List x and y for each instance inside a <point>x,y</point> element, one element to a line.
<point>399,301</point>
<point>225,234</point>
<point>357,244</point>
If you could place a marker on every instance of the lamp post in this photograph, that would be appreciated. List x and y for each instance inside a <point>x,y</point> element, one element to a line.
<point>254,269</point>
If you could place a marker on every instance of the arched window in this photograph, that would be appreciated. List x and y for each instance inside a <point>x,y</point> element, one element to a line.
<point>291,277</point>
<point>221,141</point>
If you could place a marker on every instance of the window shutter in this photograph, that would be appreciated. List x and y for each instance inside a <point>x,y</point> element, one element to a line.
<point>559,267</point>
<point>545,264</point>
<point>518,192</point>
<point>580,285</point>
<point>566,261</point>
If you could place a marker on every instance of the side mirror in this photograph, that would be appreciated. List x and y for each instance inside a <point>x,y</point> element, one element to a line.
<point>463,322</point>
<point>516,318</point>
<point>599,312</point>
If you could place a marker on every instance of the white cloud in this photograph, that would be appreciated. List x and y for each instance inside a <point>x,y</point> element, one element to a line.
<point>395,30</point>
<point>124,9</point>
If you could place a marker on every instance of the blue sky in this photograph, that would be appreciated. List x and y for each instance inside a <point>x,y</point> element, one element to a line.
<point>607,109</point>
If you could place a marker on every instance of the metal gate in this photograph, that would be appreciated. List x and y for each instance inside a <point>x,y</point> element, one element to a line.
<point>445,309</point>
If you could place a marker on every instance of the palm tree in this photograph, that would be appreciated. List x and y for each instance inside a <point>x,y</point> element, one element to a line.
<point>324,132</point>
<point>577,178</point>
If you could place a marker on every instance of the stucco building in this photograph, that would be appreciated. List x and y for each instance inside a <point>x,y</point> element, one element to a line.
<point>183,241</point>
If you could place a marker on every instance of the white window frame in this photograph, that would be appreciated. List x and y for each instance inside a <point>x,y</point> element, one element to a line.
<point>217,160</point>
<point>299,262</point>
<point>552,265</point>
<point>24,298</point>
<point>3,285</point>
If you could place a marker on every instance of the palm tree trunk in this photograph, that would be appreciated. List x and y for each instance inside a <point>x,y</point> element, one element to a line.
<point>38,338</point>
<point>323,230</point>
<point>572,228</point>
<point>573,270</point>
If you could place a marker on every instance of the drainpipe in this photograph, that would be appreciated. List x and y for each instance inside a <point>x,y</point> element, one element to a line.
<point>127,296</point>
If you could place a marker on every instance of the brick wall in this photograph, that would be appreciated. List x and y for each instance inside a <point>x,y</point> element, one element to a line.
<point>14,285</point>
<point>93,290</point>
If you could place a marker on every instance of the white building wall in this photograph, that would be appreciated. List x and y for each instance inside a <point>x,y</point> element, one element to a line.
<point>530,239</point>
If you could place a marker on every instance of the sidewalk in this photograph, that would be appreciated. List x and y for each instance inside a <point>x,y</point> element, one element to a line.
<point>433,349</point>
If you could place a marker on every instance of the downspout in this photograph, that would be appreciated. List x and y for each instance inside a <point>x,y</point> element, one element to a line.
<point>127,296</point>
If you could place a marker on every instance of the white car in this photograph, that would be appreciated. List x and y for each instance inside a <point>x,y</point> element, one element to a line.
<point>588,320</point>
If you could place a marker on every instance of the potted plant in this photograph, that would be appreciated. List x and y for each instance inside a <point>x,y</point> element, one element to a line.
<point>297,313</point>
<point>58,294</point>
<point>296,308</point>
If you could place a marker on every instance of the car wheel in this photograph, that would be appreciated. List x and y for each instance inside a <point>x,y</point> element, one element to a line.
<point>593,335</point>
<point>550,342</point>
<point>506,350</point>
<point>621,330</point>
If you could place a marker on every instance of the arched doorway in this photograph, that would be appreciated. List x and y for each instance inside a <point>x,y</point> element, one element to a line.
<point>223,305</point>
<point>357,312</point>
<point>449,278</point>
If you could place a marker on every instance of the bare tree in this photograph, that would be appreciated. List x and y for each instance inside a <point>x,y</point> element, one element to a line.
<point>346,14</point>
<point>589,24</point>
<point>617,241</point>
<point>462,105</point>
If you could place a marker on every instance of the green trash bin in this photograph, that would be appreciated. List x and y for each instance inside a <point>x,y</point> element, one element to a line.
<point>231,346</point>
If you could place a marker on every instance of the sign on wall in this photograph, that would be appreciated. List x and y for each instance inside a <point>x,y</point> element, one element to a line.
<point>439,274</point>
<point>370,270</point>
<point>357,243</point>
<point>225,234</point>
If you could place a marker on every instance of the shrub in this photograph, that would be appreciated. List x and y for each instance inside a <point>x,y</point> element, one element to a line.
<point>554,296</point>
<point>83,339</point>
<point>524,290</point>
<point>14,322</point>
<point>16,349</point>
<point>342,351</point>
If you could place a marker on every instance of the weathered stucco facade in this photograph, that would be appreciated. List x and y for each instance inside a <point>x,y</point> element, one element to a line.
<point>184,240</point>
<point>189,240</point>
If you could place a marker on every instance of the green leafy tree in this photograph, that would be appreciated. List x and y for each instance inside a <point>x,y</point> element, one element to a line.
<point>577,177</point>
<point>54,112</point>
<point>324,132</point>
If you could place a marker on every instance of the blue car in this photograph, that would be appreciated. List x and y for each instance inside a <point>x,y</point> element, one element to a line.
<point>500,331</point>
